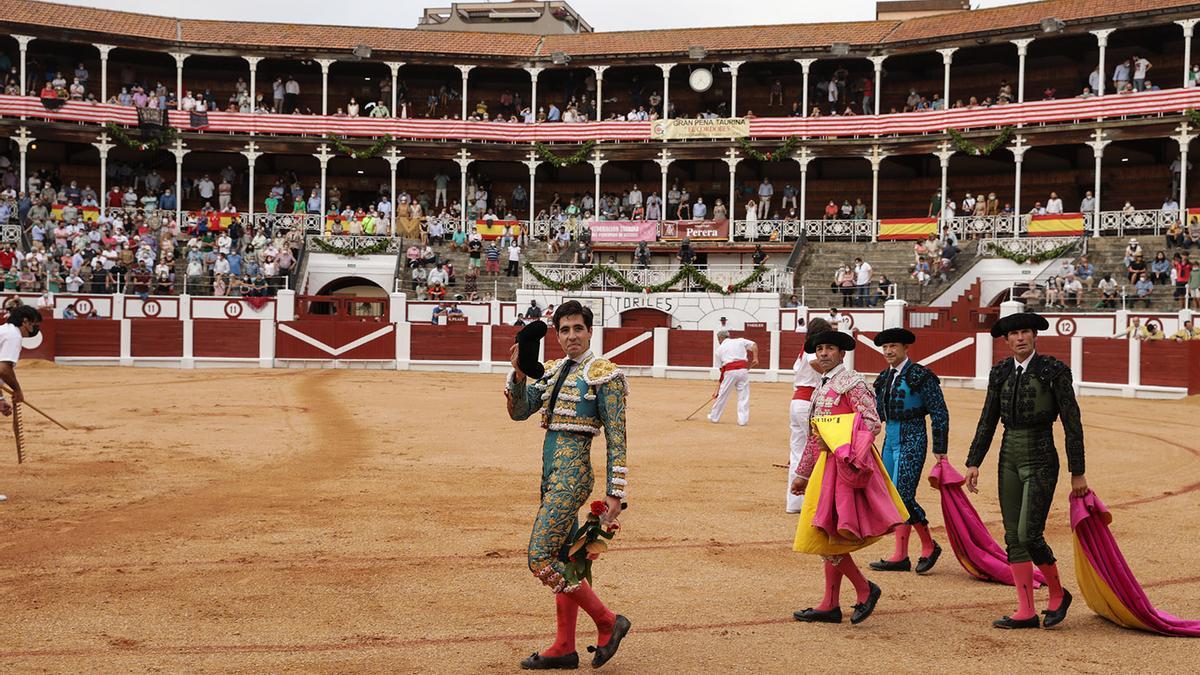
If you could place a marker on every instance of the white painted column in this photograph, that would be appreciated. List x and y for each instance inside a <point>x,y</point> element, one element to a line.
<point>983,359</point>
<point>893,313</point>
<point>733,77</point>
<point>1098,143</point>
<point>664,164</point>
<point>103,146</point>
<point>126,339</point>
<point>532,163</point>
<point>732,159</point>
<point>1135,365</point>
<point>1184,138</point>
<point>393,158</point>
<point>463,160</point>
<point>285,305</point>
<point>395,67</point>
<point>1188,26</point>
<point>325,63</point>
<point>1022,52</point>
<point>878,62</point>
<point>104,50</point>
<point>253,62</point>
<point>266,343</point>
<point>466,70</point>
<point>180,57</point>
<point>1076,362</point>
<point>179,150</point>
<point>662,337</point>
<point>1018,149</point>
<point>533,71</point>
<point>599,70</point>
<point>805,65</point>
<point>323,156</point>
<point>251,153</point>
<point>666,71</point>
<point>189,336</point>
<point>876,159</point>
<point>23,44</point>
<point>403,345</point>
<point>947,59</point>
<point>944,153</point>
<point>23,139</point>
<point>597,161</point>
<point>803,157</point>
<point>1102,39</point>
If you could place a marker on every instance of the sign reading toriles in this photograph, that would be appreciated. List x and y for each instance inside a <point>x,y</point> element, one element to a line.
<point>721,127</point>
<point>696,230</point>
<point>660,302</point>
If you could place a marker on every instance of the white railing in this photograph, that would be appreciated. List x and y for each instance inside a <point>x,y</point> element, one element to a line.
<point>1028,246</point>
<point>309,223</point>
<point>839,230</point>
<point>768,230</point>
<point>970,227</point>
<point>774,280</point>
<point>1146,221</point>
<point>353,243</point>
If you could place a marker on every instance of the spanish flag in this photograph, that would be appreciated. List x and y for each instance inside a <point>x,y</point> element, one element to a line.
<point>216,220</point>
<point>1056,225</point>
<point>88,214</point>
<point>1193,216</point>
<point>494,229</point>
<point>895,229</point>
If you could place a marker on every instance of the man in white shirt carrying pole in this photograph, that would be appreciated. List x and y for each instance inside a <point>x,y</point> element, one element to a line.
<point>736,357</point>
<point>23,322</point>
<point>805,382</point>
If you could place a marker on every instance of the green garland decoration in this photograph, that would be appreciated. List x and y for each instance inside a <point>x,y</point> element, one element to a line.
<point>964,145</point>
<point>780,153</point>
<point>374,248</point>
<point>165,137</point>
<point>579,157</point>
<point>1037,257</point>
<point>369,153</point>
<point>687,272</point>
<point>1193,116</point>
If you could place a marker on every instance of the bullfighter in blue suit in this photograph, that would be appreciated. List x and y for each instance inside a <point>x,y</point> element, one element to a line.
<point>905,393</point>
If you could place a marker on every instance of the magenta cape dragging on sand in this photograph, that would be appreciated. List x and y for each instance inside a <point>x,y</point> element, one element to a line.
<point>1105,579</point>
<point>973,545</point>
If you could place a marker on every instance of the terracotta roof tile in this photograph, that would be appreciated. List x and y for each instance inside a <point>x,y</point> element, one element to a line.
<point>739,38</point>
<point>87,19</point>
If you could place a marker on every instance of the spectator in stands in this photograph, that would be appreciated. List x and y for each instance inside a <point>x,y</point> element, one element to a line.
<point>1108,292</point>
<point>862,282</point>
<point>1170,206</point>
<point>831,210</point>
<point>765,192</point>
<point>1160,268</point>
<point>1121,76</point>
<point>1088,204</point>
<point>1133,250</point>
<point>1072,290</point>
<point>1085,272</point>
<point>1137,268</point>
<point>1144,287</point>
<point>1054,205</point>
<point>514,260</point>
<point>1140,68</point>
<point>699,209</point>
<point>1181,274</point>
<point>492,253</point>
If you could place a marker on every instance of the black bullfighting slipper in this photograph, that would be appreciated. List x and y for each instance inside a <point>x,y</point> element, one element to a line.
<point>536,661</point>
<point>924,564</point>
<point>1055,617</point>
<point>811,615</point>
<point>1011,623</point>
<point>863,610</point>
<point>606,652</point>
<point>892,565</point>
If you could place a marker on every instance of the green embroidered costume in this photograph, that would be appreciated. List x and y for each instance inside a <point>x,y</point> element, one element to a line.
<point>590,398</point>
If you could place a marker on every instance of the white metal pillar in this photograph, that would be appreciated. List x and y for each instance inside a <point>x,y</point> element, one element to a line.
<point>597,161</point>
<point>878,63</point>
<point>532,163</point>
<point>104,50</point>
<point>180,57</point>
<point>325,63</point>
<point>23,140</point>
<point>466,71</point>
<point>251,153</point>
<point>533,71</point>
<point>1184,138</point>
<point>104,146</point>
<point>876,159</point>
<point>179,150</point>
<point>323,156</point>
<point>253,62</point>
<point>23,44</point>
<point>393,158</point>
<point>664,164</point>
<point>1102,39</point>
<point>944,152</point>
<point>732,159</point>
<point>463,160</point>
<point>1188,26</point>
<point>1098,143</point>
<point>1018,149</point>
<point>947,59</point>
<point>1022,51</point>
<point>805,65</point>
<point>733,75</point>
<point>804,157</point>
<point>599,70</point>
<point>666,71</point>
<point>395,67</point>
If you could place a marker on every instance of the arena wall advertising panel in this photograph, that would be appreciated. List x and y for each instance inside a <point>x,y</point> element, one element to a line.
<point>225,339</point>
<point>88,337</point>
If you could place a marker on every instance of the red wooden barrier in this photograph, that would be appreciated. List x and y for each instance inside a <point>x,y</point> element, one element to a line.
<point>763,339</point>
<point>156,337</point>
<point>225,339</point>
<point>88,337</point>
<point>1105,360</point>
<point>333,335</point>
<point>690,348</point>
<point>639,355</point>
<point>1166,364</point>
<point>448,343</point>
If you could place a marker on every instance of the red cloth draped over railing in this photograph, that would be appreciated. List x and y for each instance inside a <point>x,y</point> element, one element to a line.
<point>1034,112</point>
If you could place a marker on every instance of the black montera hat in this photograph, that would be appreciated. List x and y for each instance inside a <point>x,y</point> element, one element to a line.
<point>1019,321</point>
<point>837,338</point>
<point>900,335</point>
<point>529,341</point>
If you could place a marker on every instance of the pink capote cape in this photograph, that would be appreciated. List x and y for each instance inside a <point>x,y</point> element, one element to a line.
<point>973,545</point>
<point>855,501</point>
<point>1105,579</point>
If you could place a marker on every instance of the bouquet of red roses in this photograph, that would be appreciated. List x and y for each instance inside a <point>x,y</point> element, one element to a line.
<point>590,542</point>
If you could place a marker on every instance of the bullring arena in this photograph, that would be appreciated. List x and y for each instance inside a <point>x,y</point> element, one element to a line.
<point>280,269</point>
<point>359,521</point>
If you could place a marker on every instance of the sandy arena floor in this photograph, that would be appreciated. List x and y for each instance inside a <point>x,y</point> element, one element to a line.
<point>360,521</point>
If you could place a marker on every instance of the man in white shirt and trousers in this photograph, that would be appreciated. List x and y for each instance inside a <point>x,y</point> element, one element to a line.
<point>23,322</point>
<point>806,381</point>
<point>736,357</point>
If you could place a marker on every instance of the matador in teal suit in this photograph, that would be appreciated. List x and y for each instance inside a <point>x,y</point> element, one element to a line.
<point>578,397</point>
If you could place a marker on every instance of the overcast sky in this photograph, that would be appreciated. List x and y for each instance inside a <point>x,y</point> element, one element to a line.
<point>604,15</point>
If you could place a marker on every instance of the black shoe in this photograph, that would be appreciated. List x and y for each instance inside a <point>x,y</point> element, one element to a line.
<point>536,661</point>
<point>1055,617</point>
<point>863,610</point>
<point>1011,623</point>
<point>606,652</point>
<point>892,565</point>
<point>924,564</point>
<point>811,615</point>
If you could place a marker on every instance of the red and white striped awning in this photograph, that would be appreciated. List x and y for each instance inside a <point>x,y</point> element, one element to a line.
<point>1034,112</point>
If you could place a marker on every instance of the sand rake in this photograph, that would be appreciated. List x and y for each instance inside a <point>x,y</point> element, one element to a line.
<point>19,423</point>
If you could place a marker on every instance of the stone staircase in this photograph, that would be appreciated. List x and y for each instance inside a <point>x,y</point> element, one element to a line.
<point>1107,254</point>
<point>819,260</point>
